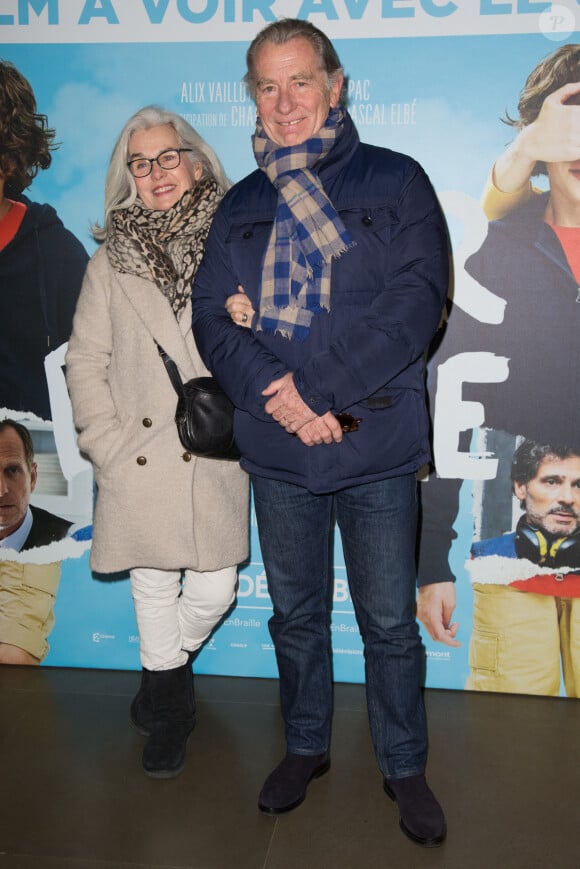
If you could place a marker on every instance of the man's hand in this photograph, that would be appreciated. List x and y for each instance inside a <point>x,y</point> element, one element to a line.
<point>286,406</point>
<point>435,605</point>
<point>321,430</point>
<point>293,414</point>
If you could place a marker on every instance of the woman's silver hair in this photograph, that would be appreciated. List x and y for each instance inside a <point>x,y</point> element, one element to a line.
<point>120,188</point>
<point>281,32</point>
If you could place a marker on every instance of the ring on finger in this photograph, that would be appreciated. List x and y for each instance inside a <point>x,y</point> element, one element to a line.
<point>244,318</point>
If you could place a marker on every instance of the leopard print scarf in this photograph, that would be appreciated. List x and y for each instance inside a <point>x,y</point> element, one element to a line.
<point>165,247</point>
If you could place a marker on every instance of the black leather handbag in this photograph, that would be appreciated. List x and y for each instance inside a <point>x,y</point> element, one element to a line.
<point>204,415</point>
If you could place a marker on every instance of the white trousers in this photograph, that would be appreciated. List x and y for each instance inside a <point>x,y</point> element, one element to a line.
<point>176,611</point>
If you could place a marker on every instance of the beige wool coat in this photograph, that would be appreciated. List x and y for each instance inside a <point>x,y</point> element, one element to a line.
<point>158,506</point>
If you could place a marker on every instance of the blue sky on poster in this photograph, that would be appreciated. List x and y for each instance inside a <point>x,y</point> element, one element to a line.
<point>437,99</point>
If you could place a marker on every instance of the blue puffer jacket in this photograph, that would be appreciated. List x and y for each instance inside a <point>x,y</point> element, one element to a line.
<point>366,355</point>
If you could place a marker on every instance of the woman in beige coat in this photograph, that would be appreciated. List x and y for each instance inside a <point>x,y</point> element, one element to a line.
<point>178,523</point>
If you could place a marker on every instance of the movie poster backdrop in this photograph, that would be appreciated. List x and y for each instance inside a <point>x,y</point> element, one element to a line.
<point>430,78</point>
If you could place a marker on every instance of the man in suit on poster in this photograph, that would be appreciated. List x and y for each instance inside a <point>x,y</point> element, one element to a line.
<point>27,590</point>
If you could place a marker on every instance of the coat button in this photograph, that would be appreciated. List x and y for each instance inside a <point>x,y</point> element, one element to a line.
<point>141,460</point>
<point>248,233</point>
<point>367,220</point>
<point>147,422</point>
<point>186,457</point>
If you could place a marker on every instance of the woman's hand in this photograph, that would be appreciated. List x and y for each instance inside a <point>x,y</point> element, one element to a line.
<point>240,308</point>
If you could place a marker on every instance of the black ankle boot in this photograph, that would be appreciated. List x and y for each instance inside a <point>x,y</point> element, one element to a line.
<point>167,705</point>
<point>141,711</point>
<point>421,817</point>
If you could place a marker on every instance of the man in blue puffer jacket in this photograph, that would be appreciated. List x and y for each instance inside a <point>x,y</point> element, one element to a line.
<point>342,252</point>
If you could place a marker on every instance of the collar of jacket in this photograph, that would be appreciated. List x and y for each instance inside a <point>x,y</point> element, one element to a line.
<point>530,543</point>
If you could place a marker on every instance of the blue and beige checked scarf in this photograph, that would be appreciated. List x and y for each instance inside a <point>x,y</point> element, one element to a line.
<point>307,233</point>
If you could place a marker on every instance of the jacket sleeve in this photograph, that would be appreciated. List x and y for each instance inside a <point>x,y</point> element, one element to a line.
<point>87,368</point>
<point>239,362</point>
<point>397,327</point>
<point>497,203</point>
<point>439,506</point>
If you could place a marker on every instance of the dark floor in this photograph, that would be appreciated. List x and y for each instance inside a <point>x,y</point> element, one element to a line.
<point>73,796</point>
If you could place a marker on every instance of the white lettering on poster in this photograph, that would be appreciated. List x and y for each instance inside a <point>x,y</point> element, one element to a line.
<point>248,586</point>
<point>152,20</point>
<point>454,415</point>
<point>341,594</point>
<point>366,112</point>
<point>237,622</point>
<point>233,96</point>
<point>341,628</point>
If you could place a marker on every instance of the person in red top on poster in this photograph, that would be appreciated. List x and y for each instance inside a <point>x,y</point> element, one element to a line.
<point>42,264</point>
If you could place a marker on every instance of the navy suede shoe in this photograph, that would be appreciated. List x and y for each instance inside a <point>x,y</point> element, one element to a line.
<point>285,787</point>
<point>421,816</point>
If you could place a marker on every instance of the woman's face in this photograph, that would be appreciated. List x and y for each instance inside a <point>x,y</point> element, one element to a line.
<point>162,188</point>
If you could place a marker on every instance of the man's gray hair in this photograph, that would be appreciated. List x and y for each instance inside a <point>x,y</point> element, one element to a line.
<point>281,32</point>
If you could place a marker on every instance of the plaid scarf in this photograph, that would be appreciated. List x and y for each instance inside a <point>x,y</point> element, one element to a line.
<point>165,247</point>
<point>306,236</point>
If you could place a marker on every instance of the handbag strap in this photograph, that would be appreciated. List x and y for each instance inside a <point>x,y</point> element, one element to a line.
<point>171,370</point>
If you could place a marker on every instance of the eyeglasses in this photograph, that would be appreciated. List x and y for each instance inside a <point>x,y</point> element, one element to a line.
<point>141,167</point>
<point>347,422</point>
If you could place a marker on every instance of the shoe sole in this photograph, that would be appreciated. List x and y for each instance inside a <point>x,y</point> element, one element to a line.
<point>164,773</point>
<point>270,810</point>
<point>420,840</point>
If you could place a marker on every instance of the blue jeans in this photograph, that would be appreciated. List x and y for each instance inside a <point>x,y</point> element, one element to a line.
<point>378,525</point>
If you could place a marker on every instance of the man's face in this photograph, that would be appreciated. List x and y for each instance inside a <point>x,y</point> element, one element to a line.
<point>17,481</point>
<point>293,97</point>
<point>552,498</point>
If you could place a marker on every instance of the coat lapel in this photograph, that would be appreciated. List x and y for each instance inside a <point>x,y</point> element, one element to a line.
<point>155,312</point>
